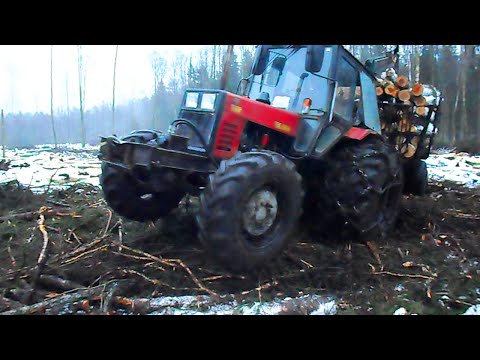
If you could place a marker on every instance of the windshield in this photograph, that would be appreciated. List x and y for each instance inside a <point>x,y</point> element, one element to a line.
<point>288,87</point>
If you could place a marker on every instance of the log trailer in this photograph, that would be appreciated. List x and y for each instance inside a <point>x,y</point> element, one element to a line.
<point>305,131</point>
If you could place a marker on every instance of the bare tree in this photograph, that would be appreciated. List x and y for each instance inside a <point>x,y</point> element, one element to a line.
<point>226,67</point>
<point>51,97</point>
<point>81,77</point>
<point>3,134</point>
<point>113,95</point>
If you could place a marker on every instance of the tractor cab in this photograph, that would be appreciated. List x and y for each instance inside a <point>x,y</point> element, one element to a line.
<point>325,84</point>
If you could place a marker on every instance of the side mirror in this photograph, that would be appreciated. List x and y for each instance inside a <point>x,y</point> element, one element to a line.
<point>260,59</point>
<point>242,87</point>
<point>314,59</point>
<point>275,71</point>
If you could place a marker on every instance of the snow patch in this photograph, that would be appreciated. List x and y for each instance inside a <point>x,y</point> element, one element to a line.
<point>473,310</point>
<point>204,305</point>
<point>460,168</point>
<point>401,311</point>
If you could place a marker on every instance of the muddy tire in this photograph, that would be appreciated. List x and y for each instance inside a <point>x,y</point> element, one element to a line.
<point>249,209</point>
<point>359,191</point>
<point>416,178</point>
<point>128,200</point>
<point>124,195</point>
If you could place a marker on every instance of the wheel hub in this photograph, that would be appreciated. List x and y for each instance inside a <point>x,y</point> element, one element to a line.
<point>260,212</point>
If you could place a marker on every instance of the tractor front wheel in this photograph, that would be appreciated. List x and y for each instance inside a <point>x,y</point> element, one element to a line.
<point>249,209</point>
<point>127,199</point>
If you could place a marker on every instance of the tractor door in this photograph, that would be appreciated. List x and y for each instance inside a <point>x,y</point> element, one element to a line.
<point>354,103</point>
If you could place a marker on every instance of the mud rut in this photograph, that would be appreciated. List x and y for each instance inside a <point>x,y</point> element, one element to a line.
<point>67,253</point>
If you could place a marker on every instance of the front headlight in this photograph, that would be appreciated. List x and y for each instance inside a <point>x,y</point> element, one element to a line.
<point>192,100</point>
<point>208,101</point>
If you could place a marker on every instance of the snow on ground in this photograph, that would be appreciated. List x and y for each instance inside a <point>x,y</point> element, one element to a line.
<point>472,310</point>
<point>461,168</point>
<point>42,166</point>
<point>196,305</point>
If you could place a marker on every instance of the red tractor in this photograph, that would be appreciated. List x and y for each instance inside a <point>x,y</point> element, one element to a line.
<point>303,131</point>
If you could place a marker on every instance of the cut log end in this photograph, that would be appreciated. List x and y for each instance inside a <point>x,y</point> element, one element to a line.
<point>404,95</point>
<point>420,101</point>
<point>417,90</point>
<point>402,82</point>
<point>391,90</point>
<point>421,110</point>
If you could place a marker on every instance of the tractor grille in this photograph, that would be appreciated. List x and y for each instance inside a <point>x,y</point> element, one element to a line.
<point>227,134</point>
<point>204,121</point>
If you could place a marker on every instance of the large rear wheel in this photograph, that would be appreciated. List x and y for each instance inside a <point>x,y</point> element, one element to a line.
<point>416,178</point>
<point>358,192</point>
<point>249,209</point>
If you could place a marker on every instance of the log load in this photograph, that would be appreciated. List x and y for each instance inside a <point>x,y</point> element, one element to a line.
<point>404,126</point>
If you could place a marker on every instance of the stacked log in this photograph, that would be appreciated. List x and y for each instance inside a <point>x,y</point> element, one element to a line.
<point>418,99</point>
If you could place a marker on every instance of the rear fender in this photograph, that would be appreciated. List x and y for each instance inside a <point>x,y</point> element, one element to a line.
<point>359,133</point>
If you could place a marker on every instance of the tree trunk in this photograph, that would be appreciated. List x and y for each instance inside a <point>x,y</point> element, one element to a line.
<point>81,93</point>
<point>226,67</point>
<point>2,119</point>
<point>113,93</point>
<point>51,97</point>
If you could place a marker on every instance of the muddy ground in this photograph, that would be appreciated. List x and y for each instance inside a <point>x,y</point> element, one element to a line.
<point>69,242</point>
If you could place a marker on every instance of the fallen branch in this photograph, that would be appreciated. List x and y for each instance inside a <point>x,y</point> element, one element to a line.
<point>43,257</point>
<point>84,254</point>
<point>261,287</point>
<point>26,215</point>
<point>170,262</point>
<point>56,305</point>
<point>110,214</point>
<point>51,179</point>
<point>403,275</point>
<point>58,203</point>
<point>107,296</point>
<point>375,252</point>
<point>10,253</point>
<point>58,283</point>
<point>145,306</point>
<point>9,304</point>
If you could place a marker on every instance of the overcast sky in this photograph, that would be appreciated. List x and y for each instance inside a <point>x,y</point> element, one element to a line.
<point>25,74</point>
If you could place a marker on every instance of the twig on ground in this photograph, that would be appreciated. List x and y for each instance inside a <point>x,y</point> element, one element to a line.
<point>10,253</point>
<point>301,263</point>
<point>9,304</point>
<point>261,287</point>
<point>57,304</point>
<point>58,203</point>
<point>375,251</point>
<point>51,179</point>
<point>43,257</point>
<point>110,214</point>
<point>120,235</point>
<point>84,254</point>
<point>403,275</point>
<point>144,277</point>
<point>172,262</point>
<point>107,296</point>
<point>59,283</point>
